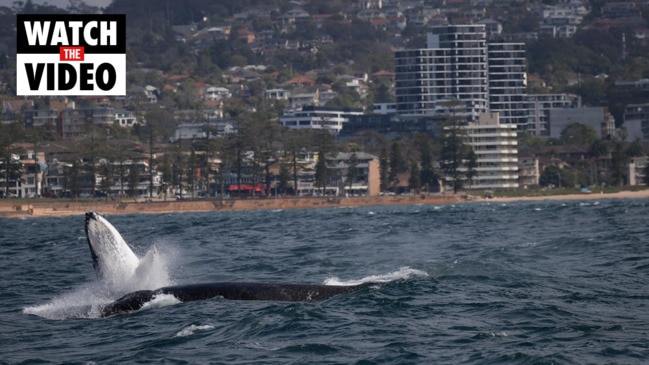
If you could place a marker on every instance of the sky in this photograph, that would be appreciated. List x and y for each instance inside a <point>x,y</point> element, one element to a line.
<point>59,3</point>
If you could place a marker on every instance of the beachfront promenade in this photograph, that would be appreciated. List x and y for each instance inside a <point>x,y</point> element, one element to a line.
<point>61,207</point>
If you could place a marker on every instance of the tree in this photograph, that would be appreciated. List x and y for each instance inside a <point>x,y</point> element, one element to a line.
<point>452,157</point>
<point>10,167</point>
<point>414,182</point>
<point>635,149</point>
<point>578,134</point>
<point>191,172</point>
<point>321,171</point>
<point>384,169</point>
<point>619,161</point>
<point>72,173</point>
<point>178,169</point>
<point>160,124</point>
<point>352,170</point>
<point>427,173</point>
<point>284,178</point>
<point>295,141</point>
<point>598,149</point>
<point>226,151</point>
<point>556,176</point>
<point>381,93</point>
<point>471,164</point>
<point>11,170</point>
<point>106,170</point>
<point>133,179</point>
<point>453,152</point>
<point>397,165</point>
<point>167,173</point>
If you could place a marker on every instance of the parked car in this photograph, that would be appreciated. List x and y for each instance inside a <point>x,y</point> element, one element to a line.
<point>49,194</point>
<point>66,194</point>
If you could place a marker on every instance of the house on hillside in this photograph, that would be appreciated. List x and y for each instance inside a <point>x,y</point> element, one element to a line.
<point>216,93</point>
<point>125,118</point>
<point>277,94</point>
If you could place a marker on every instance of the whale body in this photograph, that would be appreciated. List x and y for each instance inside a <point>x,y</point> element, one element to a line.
<point>230,290</point>
<point>114,260</point>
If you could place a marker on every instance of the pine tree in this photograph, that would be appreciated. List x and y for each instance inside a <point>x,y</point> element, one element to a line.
<point>384,169</point>
<point>414,182</point>
<point>352,170</point>
<point>397,165</point>
<point>471,163</point>
<point>321,172</point>
<point>427,175</point>
<point>454,151</point>
<point>133,179</point>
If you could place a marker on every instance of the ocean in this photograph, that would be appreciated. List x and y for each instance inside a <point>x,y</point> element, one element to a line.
<point>545,282</point>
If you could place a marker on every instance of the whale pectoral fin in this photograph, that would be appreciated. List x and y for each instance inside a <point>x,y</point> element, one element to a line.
<point>148,258</point>
<point>148,273</point>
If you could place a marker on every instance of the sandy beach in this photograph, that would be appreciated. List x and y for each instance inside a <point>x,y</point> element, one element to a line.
<point>53,207</point>
<point>640,194</point>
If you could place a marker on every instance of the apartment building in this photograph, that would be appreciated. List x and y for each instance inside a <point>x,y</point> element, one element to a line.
<point>507,81</point>
<point>597,117</point>
<point>496,147</point>
<point>23,177</point>
<point>460,64</point>
<point>319,117</point>
<point>539,107</point>
<point>73,122</point>
<point>453,66</point>
<point>636,121</point>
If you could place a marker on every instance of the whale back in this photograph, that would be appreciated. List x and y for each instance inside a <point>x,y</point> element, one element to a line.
<point>231,290</point>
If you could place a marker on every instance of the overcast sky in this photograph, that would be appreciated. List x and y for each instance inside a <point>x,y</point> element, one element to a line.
<point>59,3</point>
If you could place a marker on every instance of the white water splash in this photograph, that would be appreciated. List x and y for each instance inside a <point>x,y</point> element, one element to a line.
<point>80,303</point>
<point>87,300</point>
<point>161,300</point>
<point>188,331</point>
<point>403,273</point>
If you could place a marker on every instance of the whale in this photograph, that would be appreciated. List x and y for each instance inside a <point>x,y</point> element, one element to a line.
<point>114,261</point>
<point>229,290</point>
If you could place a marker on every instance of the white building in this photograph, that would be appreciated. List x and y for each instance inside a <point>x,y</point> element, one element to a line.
<point>28,183</point>
<point>496,149</point>
<point>125,118</point>
<point>312,117</point>
<point>638,170</point>
<point>217,128</point>
<point>277,94</point>
<point>304,99</point>
<point>216,93</point>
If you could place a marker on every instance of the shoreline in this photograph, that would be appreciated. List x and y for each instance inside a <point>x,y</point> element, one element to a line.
<point>55,208</point>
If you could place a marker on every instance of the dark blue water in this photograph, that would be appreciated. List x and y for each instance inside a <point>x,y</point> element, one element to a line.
<point>530,282</point>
